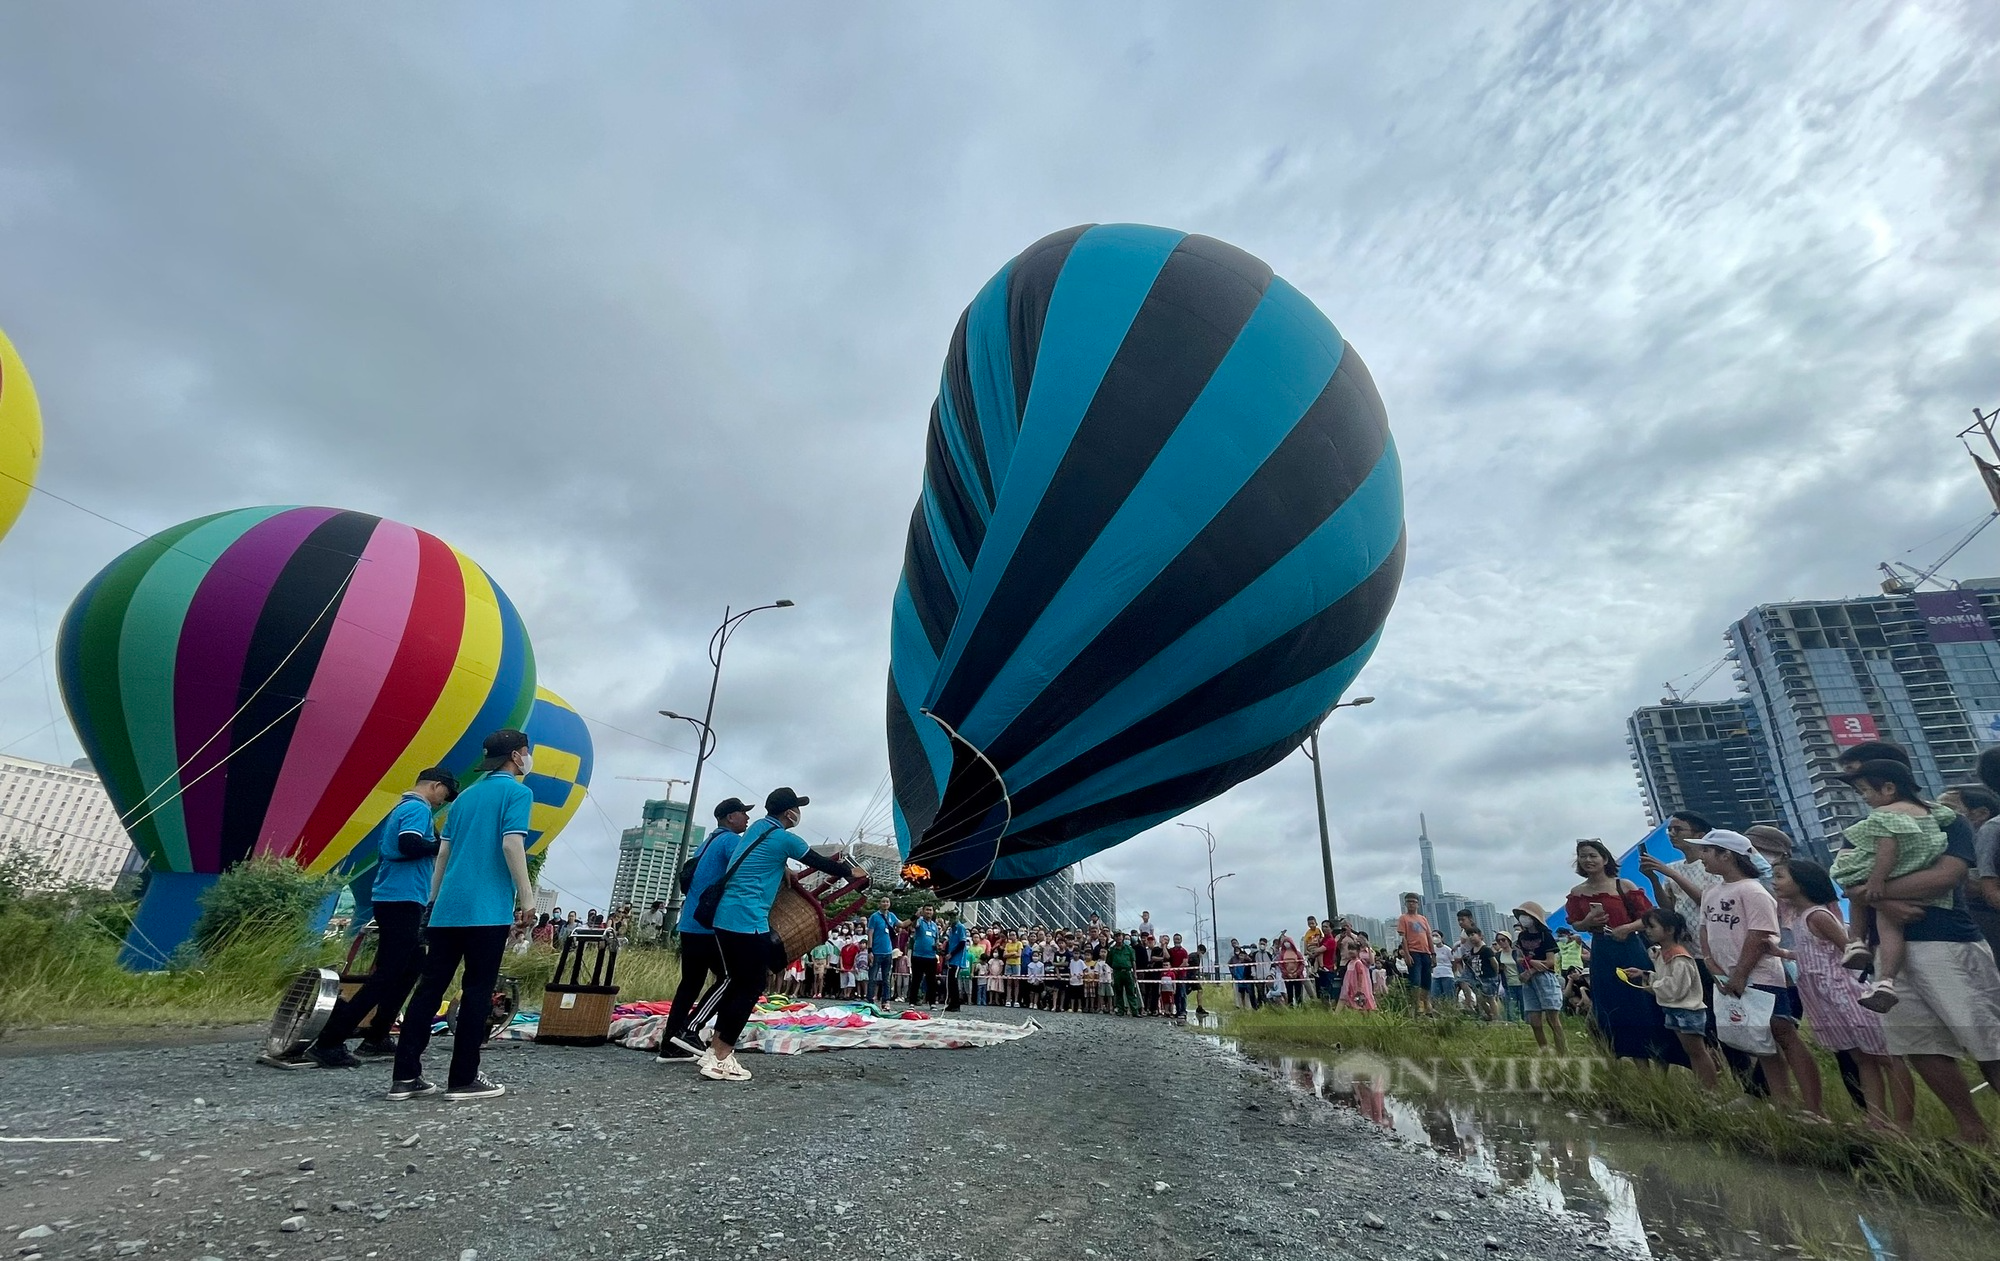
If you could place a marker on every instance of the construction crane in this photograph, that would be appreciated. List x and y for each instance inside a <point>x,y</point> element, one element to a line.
<point>1901,579</point>
<point>1680,695</point>
<point>655,779</point>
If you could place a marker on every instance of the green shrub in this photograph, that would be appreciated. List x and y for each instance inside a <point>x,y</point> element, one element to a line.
<point>262,898</point>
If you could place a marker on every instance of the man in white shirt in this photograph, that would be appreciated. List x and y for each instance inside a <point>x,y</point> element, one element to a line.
<point>653,923</point>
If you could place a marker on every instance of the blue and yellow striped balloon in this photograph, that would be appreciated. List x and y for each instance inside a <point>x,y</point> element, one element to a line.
<point>561,777</point>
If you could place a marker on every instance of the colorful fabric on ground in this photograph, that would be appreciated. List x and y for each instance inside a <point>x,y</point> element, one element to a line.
<point>784,1027</point>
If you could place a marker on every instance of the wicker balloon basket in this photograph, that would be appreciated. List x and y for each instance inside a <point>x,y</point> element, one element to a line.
<point>576,1006</point>
<point>809,906</point>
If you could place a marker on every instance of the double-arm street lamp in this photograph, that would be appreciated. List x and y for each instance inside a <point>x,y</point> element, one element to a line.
<point>705,731</point>
<point>1214,924</point>
<point>1319,794</point>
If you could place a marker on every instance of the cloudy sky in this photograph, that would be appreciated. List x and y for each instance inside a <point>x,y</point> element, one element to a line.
<point>1675,310</point>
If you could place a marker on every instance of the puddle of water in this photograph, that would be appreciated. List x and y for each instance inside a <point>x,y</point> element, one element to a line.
<point>1660,1197</point>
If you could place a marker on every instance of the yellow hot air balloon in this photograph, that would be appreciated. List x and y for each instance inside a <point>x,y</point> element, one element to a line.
<point>20,435</point>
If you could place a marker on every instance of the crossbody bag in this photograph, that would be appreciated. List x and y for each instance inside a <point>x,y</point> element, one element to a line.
<point>711,897</point>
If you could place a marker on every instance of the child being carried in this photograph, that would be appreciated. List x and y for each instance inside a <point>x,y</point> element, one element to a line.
<point>1902,834</point>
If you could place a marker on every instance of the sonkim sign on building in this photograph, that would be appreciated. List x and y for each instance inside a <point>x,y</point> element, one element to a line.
<point>1954,617</point>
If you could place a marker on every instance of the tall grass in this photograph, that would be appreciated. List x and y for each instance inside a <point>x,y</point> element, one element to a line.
<point>63,971</point>
<point>1928,1164</point>
<point>59,968</point>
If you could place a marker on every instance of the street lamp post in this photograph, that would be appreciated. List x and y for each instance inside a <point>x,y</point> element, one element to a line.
<point>706,730</point>
<point>1214,922</point>
<point>1194,897</point>
<point>1319,795</point>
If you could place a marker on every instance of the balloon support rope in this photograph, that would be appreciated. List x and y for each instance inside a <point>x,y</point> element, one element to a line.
<point>331,604</point>
<point>1006,799</point>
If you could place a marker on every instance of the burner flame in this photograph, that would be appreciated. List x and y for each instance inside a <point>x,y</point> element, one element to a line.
<point>915,874</point>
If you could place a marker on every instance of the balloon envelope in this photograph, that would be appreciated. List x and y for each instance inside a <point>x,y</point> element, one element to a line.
<point>1160,529</point>
<point>270,680</point>
<point>563,761</point>
<point>20,435</point>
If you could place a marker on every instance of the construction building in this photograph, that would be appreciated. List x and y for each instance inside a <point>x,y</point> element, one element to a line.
<point>1920,669</point>
<point>650,855</point>
<point>1708,758</point>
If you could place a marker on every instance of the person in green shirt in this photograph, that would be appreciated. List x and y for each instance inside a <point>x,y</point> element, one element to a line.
<point>1569,949</point>
<point>1122,961</point>
<point>822,960</point>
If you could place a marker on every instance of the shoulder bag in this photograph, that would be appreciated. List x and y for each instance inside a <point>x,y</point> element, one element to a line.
<point>711,897</point>
<point>685,877</point>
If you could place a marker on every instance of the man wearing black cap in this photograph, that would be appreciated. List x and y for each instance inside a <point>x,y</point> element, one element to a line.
<point>742,919</point>
<point>406,845</point>
<point>699,957</point>
<point>480,891</point>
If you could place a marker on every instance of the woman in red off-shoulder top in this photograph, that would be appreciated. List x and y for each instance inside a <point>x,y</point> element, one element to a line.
<point>1610,910</point>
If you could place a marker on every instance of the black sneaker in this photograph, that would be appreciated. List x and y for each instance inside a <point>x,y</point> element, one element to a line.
<point>686,1043</point>
<point>411,1087</point>
<point>480,1088</point>
<point>377,1049</point>
<point>672,1053</point>
<point>335,1056</point>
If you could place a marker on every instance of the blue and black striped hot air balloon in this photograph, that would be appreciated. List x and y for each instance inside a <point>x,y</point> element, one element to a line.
<point>1160,530</point>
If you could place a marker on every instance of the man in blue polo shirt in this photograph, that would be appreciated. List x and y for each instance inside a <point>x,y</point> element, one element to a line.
<point>956,942</point>
<point>923,958</point>
<point>700,958</point>
<point>881,946</point>
<point>406,845</point>
<point>479,892</point>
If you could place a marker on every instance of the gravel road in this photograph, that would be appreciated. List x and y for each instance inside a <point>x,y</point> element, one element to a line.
<point>1097,1137</point>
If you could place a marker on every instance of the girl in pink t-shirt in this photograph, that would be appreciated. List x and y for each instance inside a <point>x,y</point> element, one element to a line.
<point>1739,938</point>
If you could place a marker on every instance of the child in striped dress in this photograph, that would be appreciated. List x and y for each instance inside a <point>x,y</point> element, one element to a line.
<point>1830,994</point>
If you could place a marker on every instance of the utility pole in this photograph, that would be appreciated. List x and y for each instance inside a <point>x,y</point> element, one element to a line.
<point>1319,796</point>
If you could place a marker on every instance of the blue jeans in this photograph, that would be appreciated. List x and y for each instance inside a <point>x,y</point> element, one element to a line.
<point>878,979</point>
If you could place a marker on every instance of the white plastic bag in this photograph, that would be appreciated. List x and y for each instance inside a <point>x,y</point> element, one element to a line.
<point>1745,1023</point>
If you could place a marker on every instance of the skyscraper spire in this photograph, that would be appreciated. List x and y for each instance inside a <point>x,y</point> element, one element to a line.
<point>1433,888</point>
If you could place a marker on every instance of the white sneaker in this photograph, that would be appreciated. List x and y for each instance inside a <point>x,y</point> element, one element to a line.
<point>725,1069</point>
<point>1880,996</point>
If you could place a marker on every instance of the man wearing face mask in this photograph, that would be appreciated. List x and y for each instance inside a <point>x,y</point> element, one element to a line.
<point>741,918</point>
<point>407,845</point>
<point>479,893</point>
<point>700,958</point>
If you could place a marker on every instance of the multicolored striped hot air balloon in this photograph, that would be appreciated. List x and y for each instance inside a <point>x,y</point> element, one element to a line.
<point>20,435</point>
<point>1160,529</point>
<point>563,760</point>
<point>268,681</point>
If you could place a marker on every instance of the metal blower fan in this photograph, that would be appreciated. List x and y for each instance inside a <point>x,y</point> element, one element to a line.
<point>301,1014</point>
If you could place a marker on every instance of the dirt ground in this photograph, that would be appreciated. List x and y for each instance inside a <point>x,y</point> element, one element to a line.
<point>1097,1137</point>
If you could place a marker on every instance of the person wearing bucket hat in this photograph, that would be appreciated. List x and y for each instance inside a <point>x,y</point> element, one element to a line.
<point>1541,975</point>
<point>480,891</point>
<point>741,917</point>
<point>700,958</point>
<point>406,845</point>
